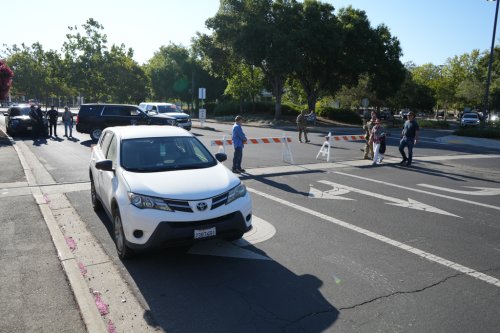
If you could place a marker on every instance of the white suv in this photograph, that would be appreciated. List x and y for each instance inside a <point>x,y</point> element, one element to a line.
<point>172,110</point>
<point>161,186</point>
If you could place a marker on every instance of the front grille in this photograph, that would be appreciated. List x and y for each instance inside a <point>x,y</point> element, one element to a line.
<point>182,121</point>
<point>179,205</point>
<point>219,200</point>
<point>183,205</point>
<point>219,219</point>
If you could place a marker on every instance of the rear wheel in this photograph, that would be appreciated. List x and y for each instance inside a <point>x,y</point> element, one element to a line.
<point>95,133</point>
<point>124,252</point>
<point>96,204</point>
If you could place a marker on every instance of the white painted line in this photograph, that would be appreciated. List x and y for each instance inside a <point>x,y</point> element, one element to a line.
<point>467,271</point>
<point>410,203</point>
<point>482,191</point>
<point>419,191</point>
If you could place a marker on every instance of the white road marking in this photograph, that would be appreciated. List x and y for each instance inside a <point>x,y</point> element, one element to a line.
<point>429,256</point>
<point>334,194</point>
<point>419,191</point>
<point>410,203</point>
<point>478,190</point>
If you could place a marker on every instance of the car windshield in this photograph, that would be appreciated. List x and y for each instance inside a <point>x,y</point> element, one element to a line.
<point>470,116</point>
<point>164,154</point>
<point>14,112</point>
<point>167,109</point>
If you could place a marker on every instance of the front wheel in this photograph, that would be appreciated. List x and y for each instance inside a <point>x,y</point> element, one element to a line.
<point>95,133</point>
<point>124,252</point>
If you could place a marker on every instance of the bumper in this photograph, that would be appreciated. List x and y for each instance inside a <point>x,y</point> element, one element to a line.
<point>185,125</point>
<point>159,229</point>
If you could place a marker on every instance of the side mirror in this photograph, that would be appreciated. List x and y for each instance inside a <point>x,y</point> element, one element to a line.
<point>104,165</point>
<point>221,157</point>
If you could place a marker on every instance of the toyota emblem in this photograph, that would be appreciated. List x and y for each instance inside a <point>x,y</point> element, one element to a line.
<point>201,206</point>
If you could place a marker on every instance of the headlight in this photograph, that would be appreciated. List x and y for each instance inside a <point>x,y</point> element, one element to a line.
<point>146,202</point>
<point>237,192</point>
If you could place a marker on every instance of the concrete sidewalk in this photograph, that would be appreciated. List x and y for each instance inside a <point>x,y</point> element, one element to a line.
<point>35,293</point>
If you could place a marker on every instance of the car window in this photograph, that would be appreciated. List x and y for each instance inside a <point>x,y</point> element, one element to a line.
<point>111,155</point>
<point>104,142</point>
<point>19,112</point>
<point>164,153</point>
<point>470,116</point>
<point>167,108</point>
<point>120,110</point>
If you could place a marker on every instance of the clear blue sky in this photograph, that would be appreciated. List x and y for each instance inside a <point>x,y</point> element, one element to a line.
<point>429,30</point>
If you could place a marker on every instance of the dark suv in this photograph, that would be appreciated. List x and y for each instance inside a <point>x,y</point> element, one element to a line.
<point>93,118</point>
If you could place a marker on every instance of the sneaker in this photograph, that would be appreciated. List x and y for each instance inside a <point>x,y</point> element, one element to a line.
<point>374,163</point>
<point>241,170</point>
<point>408,164</point>
<point>236,171</point>
<point>307,141</point>
<point>380,160</point>
<point>367,158</point>
<point>402,162</point>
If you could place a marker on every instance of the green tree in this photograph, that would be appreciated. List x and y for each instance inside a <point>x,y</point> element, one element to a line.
<point>245,84</point>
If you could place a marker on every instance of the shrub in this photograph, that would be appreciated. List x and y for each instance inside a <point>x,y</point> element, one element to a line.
<point>341,115</point>
<point>480,132</point>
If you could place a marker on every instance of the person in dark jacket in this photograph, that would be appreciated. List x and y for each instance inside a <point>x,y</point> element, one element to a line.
<point>42,129</point>
<point>52,116</point>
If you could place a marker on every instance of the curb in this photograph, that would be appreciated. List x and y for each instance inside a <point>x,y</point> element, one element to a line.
<point>88,310</point>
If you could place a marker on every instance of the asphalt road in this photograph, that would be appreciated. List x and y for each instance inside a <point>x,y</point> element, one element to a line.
<point>355,248</point>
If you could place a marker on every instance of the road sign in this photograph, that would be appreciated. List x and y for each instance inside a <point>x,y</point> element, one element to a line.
<point>202,93</point>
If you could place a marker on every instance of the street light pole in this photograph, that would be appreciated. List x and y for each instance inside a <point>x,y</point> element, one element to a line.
<point>488,80</point>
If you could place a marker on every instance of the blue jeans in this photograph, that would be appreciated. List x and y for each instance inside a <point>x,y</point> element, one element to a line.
<point>68,124</point>
<point>405,141</point>
<point>238,156</point>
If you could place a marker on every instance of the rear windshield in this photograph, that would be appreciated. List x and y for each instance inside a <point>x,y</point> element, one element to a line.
<point>19,112</point>
<point>164,153</point>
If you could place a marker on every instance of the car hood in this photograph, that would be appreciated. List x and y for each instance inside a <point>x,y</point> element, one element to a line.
<point>23,118</point>
<point>177,115</point>
<point>194,184</point>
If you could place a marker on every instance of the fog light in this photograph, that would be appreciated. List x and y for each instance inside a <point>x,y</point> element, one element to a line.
<point>138,233</point>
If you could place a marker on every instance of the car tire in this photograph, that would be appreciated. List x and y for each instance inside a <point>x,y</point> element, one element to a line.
<point>124,252</point>
<point>95,133</point>
<point>96,204</point>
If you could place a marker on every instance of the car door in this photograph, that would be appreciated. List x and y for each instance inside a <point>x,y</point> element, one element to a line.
<point>109,181</point>
<point>99,154</point>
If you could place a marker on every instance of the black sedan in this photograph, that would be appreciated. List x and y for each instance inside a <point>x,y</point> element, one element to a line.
<point>17,120</point>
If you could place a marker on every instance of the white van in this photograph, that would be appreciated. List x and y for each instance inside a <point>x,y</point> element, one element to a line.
<point>182,118</point>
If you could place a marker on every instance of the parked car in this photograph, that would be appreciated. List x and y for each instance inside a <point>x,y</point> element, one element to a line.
<point>404,113</point>
<point>183,120</point>
<point>161,186</point>
<point>469,119</point>
<point>18,121</point>
<point>93,118</point>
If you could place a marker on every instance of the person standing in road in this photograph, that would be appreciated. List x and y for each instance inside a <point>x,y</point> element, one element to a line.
<point>52,115</point>
<point>34,121</point>
<point>67,118</point>
<point>239,140</point>
<point>409,138</point>
<point>367,128</point>
<point>42,128</point>
<point>302,125</point>
<point>376,137</point>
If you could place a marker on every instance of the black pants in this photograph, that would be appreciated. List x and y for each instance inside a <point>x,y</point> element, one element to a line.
<point>54,125</point>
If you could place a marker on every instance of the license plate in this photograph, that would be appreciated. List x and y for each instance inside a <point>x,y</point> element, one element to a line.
<point>204,233</point>
<point>28,128</point>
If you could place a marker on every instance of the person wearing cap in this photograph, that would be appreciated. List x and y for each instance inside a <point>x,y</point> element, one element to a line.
<point>52,116</point>
<point>376,137</point>
<point>239,140</point>
<point>409,138</point>
<point>67,118</point>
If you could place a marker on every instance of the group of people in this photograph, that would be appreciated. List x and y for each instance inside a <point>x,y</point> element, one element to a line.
<point>38,125</point>
<point>375,136</point>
